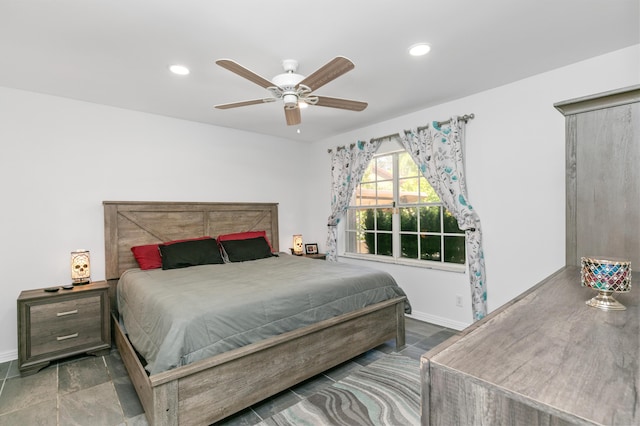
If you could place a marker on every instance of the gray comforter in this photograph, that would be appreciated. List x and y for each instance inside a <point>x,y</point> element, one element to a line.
<point>179,316</point>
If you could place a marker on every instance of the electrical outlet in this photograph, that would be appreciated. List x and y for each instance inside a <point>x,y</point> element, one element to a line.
<point>459,301</point>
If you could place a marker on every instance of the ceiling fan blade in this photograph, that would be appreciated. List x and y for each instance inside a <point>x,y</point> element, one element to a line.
<point>341,103</point>
<point>245,103</point>
<point>329,72</point>
<point>293,116</point>
<point>236,68</point>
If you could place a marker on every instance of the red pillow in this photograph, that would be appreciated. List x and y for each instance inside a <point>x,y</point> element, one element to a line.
<point>245,236</point>
<point>148,256</point>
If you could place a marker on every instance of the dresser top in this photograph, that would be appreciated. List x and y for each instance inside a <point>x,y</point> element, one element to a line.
<point>548,348</point>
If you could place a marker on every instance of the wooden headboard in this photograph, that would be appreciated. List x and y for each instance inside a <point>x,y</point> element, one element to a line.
<point>132,223</point>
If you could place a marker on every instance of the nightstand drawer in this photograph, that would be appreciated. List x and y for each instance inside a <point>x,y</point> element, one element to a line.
<point>63,325</point>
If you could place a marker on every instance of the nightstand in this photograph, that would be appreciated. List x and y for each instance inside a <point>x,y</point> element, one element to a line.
<point>63,323</point>
<point>321,256</point>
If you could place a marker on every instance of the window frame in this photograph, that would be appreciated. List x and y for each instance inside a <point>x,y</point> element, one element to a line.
<point>396,232</point>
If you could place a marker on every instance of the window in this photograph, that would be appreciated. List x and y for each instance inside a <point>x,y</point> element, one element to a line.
<point>395,215</point>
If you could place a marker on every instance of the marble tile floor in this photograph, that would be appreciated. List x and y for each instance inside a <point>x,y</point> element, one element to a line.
<point>97,391</point>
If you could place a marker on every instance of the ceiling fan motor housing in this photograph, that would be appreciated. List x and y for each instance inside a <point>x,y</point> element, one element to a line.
<point>288,82</point>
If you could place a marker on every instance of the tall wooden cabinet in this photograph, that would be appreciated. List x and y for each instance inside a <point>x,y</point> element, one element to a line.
<point>603,175</point>
<point>546,358</point>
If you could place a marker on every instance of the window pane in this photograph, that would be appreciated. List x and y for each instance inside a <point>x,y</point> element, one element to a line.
<point>409,246</point>
<point>367,244</point>
<point>369,173</point>
<point>430,219</point>
<point>406,165</point>
<point>385,192</point>
<point>362,221</point>
<point>427,193</point>
<point>451,224</point>
<point>454,249</point>
<point>385,220</point>
<point>408,190</point>
<point>360,215</point>
<point>384,167</point>
<point>366,195</point>
<point>350,243</point>
<point>351,220</point>
<point>430,247</point>
<point>384,245</point>
<point>408,219</point>
<point>368,219</point>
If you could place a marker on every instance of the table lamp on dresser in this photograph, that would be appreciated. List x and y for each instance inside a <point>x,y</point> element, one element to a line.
<point>607,275</point>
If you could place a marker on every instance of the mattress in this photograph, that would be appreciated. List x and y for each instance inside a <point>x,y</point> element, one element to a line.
<point>179,316</point>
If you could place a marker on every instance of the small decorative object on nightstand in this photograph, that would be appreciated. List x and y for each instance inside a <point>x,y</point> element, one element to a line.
<point>606,276</point>
<point>57,324</point>
<point>311,248</point>
<point>297,245</point>
<point>80,267</point>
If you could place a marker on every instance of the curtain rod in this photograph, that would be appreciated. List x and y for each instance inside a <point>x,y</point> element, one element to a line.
<point>464,118</point>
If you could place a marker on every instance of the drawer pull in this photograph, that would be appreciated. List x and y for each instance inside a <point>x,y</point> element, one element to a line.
<point>69,336</point>
<point>62,314</point>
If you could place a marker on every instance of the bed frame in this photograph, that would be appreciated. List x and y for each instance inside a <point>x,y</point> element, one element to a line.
<point>212,389</point>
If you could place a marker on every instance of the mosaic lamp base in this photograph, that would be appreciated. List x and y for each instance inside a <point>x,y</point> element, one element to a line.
<point>605,301</point>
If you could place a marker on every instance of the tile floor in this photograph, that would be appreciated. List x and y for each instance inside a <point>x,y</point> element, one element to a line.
<point>97,391</point>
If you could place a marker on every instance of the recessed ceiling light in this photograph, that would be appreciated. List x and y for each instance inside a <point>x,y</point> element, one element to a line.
<point>179,69</point>
<point>419,49</point>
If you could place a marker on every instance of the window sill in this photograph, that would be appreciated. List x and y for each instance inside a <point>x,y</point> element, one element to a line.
<point>425,264</point>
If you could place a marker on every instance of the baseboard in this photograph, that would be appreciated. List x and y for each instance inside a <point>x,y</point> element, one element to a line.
<point>8,356</point>
<point>433,319</point>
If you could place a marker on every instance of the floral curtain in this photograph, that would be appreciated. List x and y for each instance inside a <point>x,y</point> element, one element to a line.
<point>437,150</point>
<point>347,168</point>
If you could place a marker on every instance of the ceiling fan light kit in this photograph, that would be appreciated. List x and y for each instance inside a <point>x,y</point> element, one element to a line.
<point>295,89</point>
<point>290,100</point>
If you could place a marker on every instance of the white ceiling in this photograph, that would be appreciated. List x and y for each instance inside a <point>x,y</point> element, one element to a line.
<point>116,52</point>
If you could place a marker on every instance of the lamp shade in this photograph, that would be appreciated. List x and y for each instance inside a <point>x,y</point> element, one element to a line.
<point>80,267</point>
<point>297,245</point>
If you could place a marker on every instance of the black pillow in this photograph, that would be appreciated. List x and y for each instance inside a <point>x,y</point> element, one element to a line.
<point>190,253</point>
<point>249,249</point>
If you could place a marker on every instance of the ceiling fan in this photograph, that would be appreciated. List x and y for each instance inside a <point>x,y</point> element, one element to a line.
<point>294,88</point>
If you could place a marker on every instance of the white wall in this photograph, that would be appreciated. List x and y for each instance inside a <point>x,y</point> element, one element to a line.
<point>516,181</point>
<point>59,159</point>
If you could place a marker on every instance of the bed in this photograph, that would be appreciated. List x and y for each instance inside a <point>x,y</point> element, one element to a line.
<point>209,389</point>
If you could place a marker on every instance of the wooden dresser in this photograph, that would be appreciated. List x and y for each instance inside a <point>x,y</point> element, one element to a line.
<point>547,358</point>
<point>63,323</point>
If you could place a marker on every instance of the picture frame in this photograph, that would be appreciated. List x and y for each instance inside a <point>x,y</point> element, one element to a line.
<point>311,248</point>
